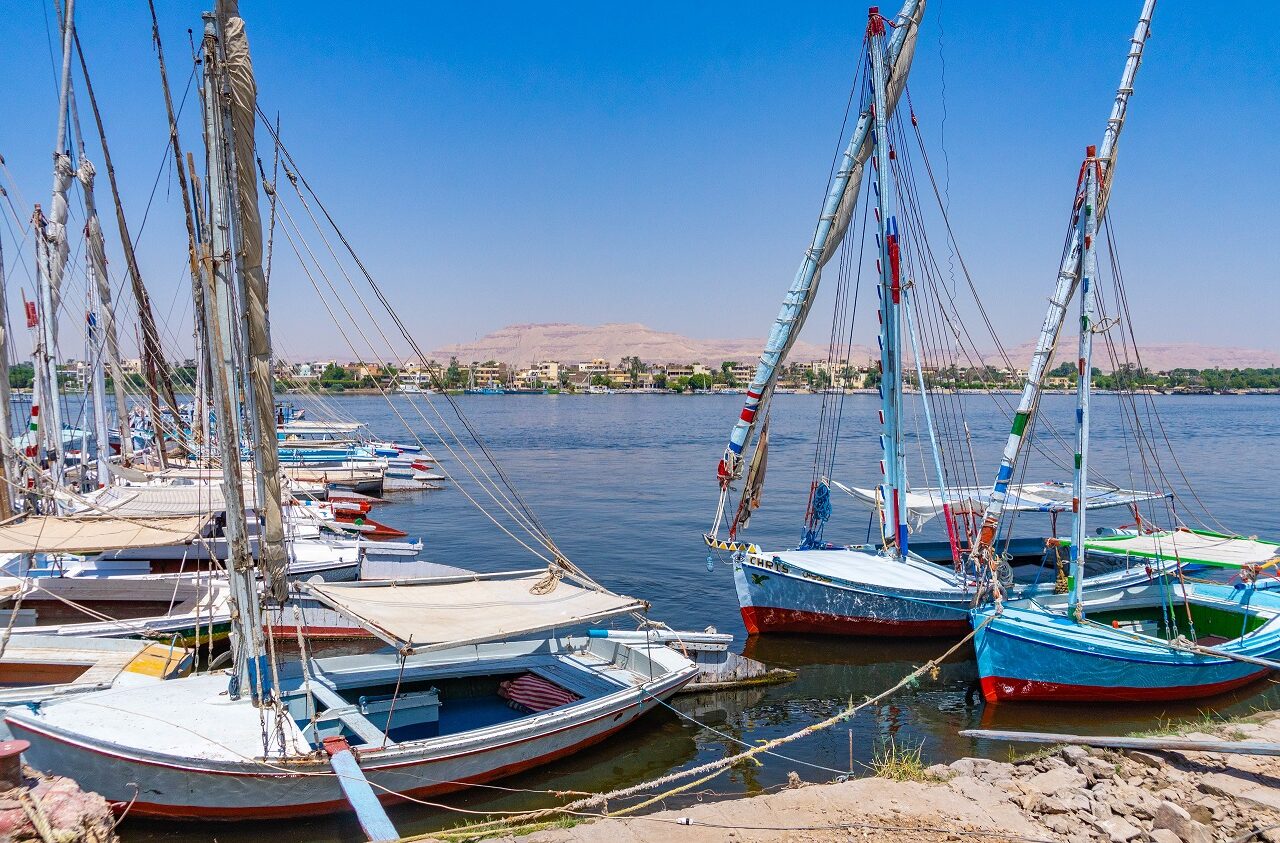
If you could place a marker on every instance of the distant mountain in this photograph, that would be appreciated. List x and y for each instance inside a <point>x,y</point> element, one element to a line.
<point>524,344</point>
<point>567,343</point>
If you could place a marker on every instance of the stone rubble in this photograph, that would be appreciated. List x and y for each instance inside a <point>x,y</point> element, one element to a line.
<point>1073,794</point>
<point>52,808</point>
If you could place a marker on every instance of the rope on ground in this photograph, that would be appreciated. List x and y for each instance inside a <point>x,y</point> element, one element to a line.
<point>705,772</point>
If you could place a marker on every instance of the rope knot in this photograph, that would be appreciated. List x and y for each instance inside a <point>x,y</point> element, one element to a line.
<point>548,583</point>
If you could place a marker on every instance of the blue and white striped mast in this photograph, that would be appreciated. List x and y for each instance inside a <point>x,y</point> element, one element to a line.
<point>983,554</point>
<point>892,466</point>
<point>1087,234</point>
<point>837,210</point>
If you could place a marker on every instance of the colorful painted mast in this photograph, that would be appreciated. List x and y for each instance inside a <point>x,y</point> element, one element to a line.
<point>893,485</point>
<point>983,554</point>
<point>1087,234</point>
<point>837,211</point>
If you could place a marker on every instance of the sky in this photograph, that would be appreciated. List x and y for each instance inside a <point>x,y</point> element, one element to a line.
<point>665,162</point>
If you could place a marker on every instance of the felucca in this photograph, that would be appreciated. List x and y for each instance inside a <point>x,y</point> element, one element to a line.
<point>885,588</point>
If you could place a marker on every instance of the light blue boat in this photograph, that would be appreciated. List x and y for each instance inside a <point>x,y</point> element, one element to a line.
<point>1154,642</point>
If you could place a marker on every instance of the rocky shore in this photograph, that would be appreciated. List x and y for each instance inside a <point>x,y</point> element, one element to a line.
<point>1073,794</point>
<point>51,809</point>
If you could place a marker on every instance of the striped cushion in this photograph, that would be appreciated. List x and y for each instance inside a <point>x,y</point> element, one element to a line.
<point>533,693</point>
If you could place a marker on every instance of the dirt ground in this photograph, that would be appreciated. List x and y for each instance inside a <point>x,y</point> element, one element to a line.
<point>1069,794</point>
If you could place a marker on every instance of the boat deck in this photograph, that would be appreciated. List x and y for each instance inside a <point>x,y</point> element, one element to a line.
<point>867,568</point>
<point>170,720</point>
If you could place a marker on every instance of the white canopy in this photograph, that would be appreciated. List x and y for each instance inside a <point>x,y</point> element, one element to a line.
<point>308,427</point>
<point>925,503</point>
<point>439,612</point>
<point>1190,547</point>
<point>191,498</point>
<point>50,534</point>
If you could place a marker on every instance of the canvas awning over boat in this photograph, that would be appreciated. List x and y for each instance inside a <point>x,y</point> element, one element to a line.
<point>924,504</point>
<point>52,534</point>
<point>196,498</point>
<point>1190,547</point>
<point>440,612</point>
<point>307,427</point>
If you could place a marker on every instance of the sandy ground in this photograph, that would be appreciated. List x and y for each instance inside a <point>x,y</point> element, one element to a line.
<point>1066,794</point>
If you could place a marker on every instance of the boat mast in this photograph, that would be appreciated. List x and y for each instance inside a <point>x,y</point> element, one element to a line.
<point>833,222</point>
<point>51,233</point>
<point>893,486</point>
<point>246,612</point>
<point>99,319</point>
<point>156,369</point>
<point>259,386</point>
<point>1087,234</point>
<point>909,318</point>
<point>6,413</point>
<point>200,414</point>
<point>983,554</point>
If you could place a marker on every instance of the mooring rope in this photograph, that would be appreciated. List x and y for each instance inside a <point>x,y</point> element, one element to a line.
<point>704,772</point>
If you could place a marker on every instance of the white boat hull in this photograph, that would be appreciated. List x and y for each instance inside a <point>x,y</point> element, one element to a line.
<point>212,775</point>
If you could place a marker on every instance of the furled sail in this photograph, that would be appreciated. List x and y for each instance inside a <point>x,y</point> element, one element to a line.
<point>754,485</point>
<point>837,211</point>
<point>105,313</point>
<point>244,98</point>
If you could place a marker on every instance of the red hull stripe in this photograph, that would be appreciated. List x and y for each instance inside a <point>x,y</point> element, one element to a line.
<point>997,689</point>
<point>765,619</point>
<point>266,812</point>
<point>212,812</point>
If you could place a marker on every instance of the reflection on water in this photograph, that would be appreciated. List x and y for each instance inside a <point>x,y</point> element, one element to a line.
<point>626,485</point>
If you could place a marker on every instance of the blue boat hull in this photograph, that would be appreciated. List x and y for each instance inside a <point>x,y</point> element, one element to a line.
<point>1034,654</point>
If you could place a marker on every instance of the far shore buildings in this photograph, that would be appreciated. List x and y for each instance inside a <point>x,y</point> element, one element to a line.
<point>631,373</point>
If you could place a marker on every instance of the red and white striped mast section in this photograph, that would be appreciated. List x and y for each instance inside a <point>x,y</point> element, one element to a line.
<point>983,554</point>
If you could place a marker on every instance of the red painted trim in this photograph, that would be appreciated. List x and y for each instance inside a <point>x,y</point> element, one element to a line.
<point>266,812</point>
<point>999,688</point>
<point>767,619</point>
<point>319,808</point>
<point>327,632</point>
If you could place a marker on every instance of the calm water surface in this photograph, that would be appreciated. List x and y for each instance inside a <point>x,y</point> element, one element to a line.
<point>626,485</point>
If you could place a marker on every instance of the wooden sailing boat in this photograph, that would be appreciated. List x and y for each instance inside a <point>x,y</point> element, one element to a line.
<point>1165,639</point>
<point>472,686</point>
<point>887,588</point>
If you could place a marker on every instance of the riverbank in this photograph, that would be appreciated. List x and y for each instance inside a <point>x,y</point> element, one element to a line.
<point>1073,794</point>
<point>329,393</point>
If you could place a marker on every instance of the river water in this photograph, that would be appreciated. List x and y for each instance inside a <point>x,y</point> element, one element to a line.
<point>626,485</point>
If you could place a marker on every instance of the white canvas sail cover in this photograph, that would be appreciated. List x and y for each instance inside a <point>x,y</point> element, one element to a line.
<point>1190,547</point>
<point>926,503</point>
<point>176,499</point>
<point>431,614</point>
<point>304,427</point>
<point>50,534</point>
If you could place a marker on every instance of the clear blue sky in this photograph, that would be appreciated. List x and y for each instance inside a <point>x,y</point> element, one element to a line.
<point>664,162</point>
